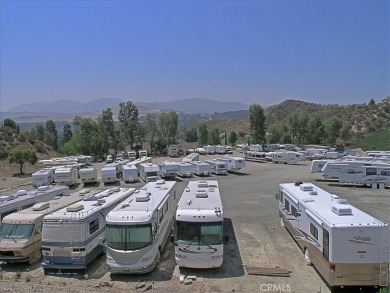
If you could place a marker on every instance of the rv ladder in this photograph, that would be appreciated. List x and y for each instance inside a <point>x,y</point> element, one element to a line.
<point>384,252</point>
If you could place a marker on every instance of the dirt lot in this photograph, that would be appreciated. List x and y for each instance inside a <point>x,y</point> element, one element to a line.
<point>252,224</point>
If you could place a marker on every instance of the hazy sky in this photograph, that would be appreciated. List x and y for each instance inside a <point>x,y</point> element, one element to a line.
<point>249,51</point>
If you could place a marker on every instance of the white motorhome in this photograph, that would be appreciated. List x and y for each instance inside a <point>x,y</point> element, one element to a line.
<point>201,168</point>
<point>132,155</point>
<point>173,151</point>
<point>22,199</point>
<point>256,148</point>
<point>229,149</point>
<point>337,169</point>
<point>220,149</point>
<point>209,149</point>
<point>138,229</point>
<point>88,175</point>
<point>111,172</point>
<point>130,173</point>
<point>185,170</point>
<point>73,236</point>
<point>21,232</point>
<point>233,163</point>
<point>218,167</point>
<point>149,172</point>
<point>347,246</point>
<point>199,237</point>
<point>168,170</point>
<point>242,148</point>
<point>109,159</point>
<point>67,175</point>
<point>42,177</point>
<point>287,157</point>
<point>142,153</point>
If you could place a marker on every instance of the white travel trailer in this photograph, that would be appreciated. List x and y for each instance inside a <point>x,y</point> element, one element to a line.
<point>242,148</point>
<point>332,155</point>
<point>233,163</point>
<point>42,177</point>
<point>191,157</point>
<point>317,165</point>
<point>218,167</point>
<point>88,175</point>
<point>200,151</point>
<point>21,232</point>
<point>201,168</point>
<point>209,149</point>
<point>130,173</point>
<point>67,175</point>
<point>347,246</point>
<point>376,176</point>
<point>111,172</point>
<point>132,155</point>
<point>73,236</point>
<point>22,199</point>
<point>149,172</point>
<point>337,169</point>
<point>229,149</point>
<point>138,229</point>
<point>256,148</point>
<point>287,157</point>
<point>185,170</point>
<point>109,159</point>
<point>168,170</point>
<point>173,151</point>
<point>142,153</point>
<point>199,219</point>
<point>220,149</point>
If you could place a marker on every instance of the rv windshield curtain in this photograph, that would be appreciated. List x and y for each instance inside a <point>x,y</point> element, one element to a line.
<point>131,237</point>
<point>18,231</point>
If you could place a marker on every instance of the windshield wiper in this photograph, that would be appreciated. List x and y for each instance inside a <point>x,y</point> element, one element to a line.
<point>208,245</point>
<point>196,238</point>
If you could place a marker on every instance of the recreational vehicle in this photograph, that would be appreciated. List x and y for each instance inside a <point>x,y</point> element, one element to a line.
<point>109,159</point>
<point>22,199</point>
<point>229,149</point>
<point>199,218</point>
<point>130,173</point>
<point>233,163</point>
<point>88,175</point>
<point>132,155</point>
<point>111,172</point>
<point>73,236</point>
<point>347,246</point>
<point>376,176</point>
<point>209,149</point>
<point>191,157</point>
<point>200,151</point>
<point>173,152</point>
<point>138,229</point>
<point>21,232</point>
<point>67,175</point>
<point>218,167</point>
<point>242,148</point>
<point>201,168</point>
<point>185,170</point>
<point>256,148</point>
<point>220,149</point>
<point>287,157</point>
<point>337,169</point>
<point>168,170</point>
<point>149,172</point>
<point>317,165</point>
<point>42,177</point>
<point>142,153</point>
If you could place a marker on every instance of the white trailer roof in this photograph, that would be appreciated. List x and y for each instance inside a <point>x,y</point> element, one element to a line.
<point>141,205</point>
<point>326,207</point>
<point>200,202</point>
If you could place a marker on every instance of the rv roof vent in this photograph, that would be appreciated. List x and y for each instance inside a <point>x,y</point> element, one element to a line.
<point>306,187</point>
<point>41,206</point>
<point>101,201</point>
<point>341,209</point>
<point>33,192</point>
<point>142,197</point>
<point>342,201</point>
<point>137,191</point>
<point>201,193</point>
<point>4,198</point>
<point>313,192</point>
<point>160,182</point>
<point>143,188</point>
<point>211,189</point>
<point>75,207</point>
<point>43,188</point>
<point>21,192</point>
<point>308,200</point>
<point>202,184</point>
<point>334,196</point>
<point>114,189</point>
<point>187,189</point>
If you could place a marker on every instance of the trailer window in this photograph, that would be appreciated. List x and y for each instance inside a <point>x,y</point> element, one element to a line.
<point>294,211</point>
<point>281,196</point>
<point>325,242</point>
<point>313,231</point>
<point>93,226</point>
<point>371,171</point>
<point>385,173</point>
<point>287,205</point>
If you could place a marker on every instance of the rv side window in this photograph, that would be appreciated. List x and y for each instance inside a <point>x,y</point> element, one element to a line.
<point>7,213</point>
<point>287,205</point>
<point>293,211</point>
<point>325,242</point>
<point>281,196</point>
<point>93,226</point>
<point>165,207</point>
<point>160,215</point>
<point>371,171</point>
<point>313,231</point>
<point>385,173</point>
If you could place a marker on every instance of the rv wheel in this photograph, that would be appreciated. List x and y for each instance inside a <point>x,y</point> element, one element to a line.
<point>307,258</point>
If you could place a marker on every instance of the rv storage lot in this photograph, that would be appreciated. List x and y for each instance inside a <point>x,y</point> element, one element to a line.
<point>256,240</point>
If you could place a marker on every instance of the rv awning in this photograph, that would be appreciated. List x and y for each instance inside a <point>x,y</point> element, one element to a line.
<point>315,218</point>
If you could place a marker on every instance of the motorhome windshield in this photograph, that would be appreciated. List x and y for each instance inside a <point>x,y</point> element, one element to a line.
<point>128,237</point>
<point>16,231</point>
<point>200,234</point>
<point>151,174</point>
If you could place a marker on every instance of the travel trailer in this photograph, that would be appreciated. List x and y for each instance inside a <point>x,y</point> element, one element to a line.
<point>111,172</point>
<point>256,148</point>
<point>347,246</point>
<point>42,177</point>
<point>21,232</point>
<point>168,170</point>
<point>73,236</point>
<point>185,170</point>
<point>233,163</point>
<point>22,199</point>
<point>209,149</point>
<point>218,167</point>
<point>130,173</point>
<point>317,165</point>
<point>200,151</point>
<point>138,229</point>
<point>376,176</point>
<point>88,175</point>
<point>67,175</point>
<point>287,157</point>
<point>337,169</point>
<point>229,149</point>
<point>142,153</point>
<point>173,152</point>
<point>149,172</point>
<point>132,155</point>
<point>242,148</point>
<point>220,149</point>
<point>191,157</point>
<point>109,159</point>
<point>199,237</point>
<point>201,168</point>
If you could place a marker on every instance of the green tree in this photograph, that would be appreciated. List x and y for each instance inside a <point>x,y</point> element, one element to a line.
<point>106,126</point>
<point>303,120</point>
<point>232,137</point>
<point>128,118</point>
<point>21,155</point>
<point>67,136</point>
<point>314,129</point>
<point>51,135</point>
<point>40,132</point>
<point>203,133</point>
<point>257,123</point>
<point>214,137</point>
<point>371,103</point>
<point>151,130</point>
<point>332,128</point>
<point>88,140</point>
<point>276,132</point>
<point>191,135</point>
<point>12,124</point>
<point>293,122</point>
<point>168,124</point>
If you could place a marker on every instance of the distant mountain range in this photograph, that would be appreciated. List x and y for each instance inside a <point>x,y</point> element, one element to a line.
<point>70,107</point>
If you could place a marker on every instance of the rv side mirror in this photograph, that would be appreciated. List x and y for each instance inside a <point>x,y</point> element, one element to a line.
<point>226,239</point>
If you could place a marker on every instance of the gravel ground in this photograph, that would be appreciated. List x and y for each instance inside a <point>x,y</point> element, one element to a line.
<point>252,224</point>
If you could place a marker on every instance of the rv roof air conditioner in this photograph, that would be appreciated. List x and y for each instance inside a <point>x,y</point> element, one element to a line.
<point>75,207</point>
<point>341,207</point>
<point>4,198</point>
<point>201,194</point>
<point>142,197</point>
<point>100,201</point>
<point>21,192</point>
<point>43,188</point>
<point>160,182</point>
<point>306,187</point>
<point>114,189</point>
<point>41,206</point>
<point>202,184</point>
